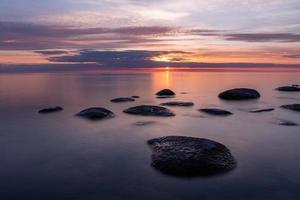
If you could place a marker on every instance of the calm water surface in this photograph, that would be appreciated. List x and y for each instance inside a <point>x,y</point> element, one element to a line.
<point>59,156</point>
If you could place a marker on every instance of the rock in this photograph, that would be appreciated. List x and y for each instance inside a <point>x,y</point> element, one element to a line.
<point>287,123</point>
<point>262,110</point>
<point>165,92</point>
<point>189,156</point>
<point>239,94</point>
<point>50,110</point>
<point>164,97</point>
<point>294,107</point>
<point>144,123</point>
<point>96,113</point>
<point>135,97</point>
<point>148,110</point>
<point>215,111</point>
<point>178,103</point>
<point>289,88</point>
<point>122,100</point>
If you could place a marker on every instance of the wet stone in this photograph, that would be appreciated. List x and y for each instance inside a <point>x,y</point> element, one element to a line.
<point>96,113</point>
<point>239,94</point>
<point>189,156</point>
<point>149,110</point>
<point>50,110</point>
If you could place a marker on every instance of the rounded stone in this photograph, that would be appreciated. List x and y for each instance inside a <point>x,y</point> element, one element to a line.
<point>149,110</point>
<point>215,111</point>
<point>135,96</point>
<point>96,113</point>
<point>165,92</point>
<point>287,123</point>
<point>178,103</point>
<point>122,100</point>
<point>289,88</point>
<point>294,107</point>
<point>189,156</point>
<point>239,94</point>
<point>262,110</point>
<point>50,110</point>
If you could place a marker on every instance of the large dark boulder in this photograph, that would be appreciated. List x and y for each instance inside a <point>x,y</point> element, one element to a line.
<point>165,92</point>
<point>149,110</point>
<point>189,156</point>
<point>50,110</point>
<point>289,88</point>
<point>215,111</point>
<point>96,113</point>
<point>178,103</point>
<point>239,94</point>
<point>294,107</point>
<point>122,100</point>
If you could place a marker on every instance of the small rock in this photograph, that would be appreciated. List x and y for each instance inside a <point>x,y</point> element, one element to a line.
<point>289,88</point>
<point>144,123</point>
<point>178,103</point>
<point>165,97</point>
<point>294,107</point>
<point>189,156</point>
<point>50,110</point>
<point>122,100</point>
<point>165,92</point>
<point>135,97</point>
<point>287,123</point>
<point>148,110</point>
<point>215,111</point>
<point>96,113</point>
<point>262,110</point>
<point>239,94</point>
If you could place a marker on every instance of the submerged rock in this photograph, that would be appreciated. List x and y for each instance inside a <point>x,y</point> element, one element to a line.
<point>294,107</point>
<point>262,110</point>
<point>96,113</point>
<point>215,111</point>
<point>122,100</point>
<point>165,97</point>
<point>144,123</point>
<point>178,103</point>
<point>287,123</point>
<point>50,110</point>
<point>189,156</point>
<point>148,110</point>
<point>165,92</point>
<point>239,94</point>
<point>289,88</point>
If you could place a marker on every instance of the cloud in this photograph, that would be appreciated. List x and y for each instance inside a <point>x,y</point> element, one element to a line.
<point>128,59</point>
<point>146,59</point>
<point>86,60</point>
<point>28,36</point>
<point>263,37</point>
<point>52,52</point>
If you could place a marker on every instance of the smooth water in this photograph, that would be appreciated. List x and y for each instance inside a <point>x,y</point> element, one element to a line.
<point>60,156</point>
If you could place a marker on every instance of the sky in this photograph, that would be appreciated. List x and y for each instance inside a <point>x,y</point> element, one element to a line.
<point>149,33</point>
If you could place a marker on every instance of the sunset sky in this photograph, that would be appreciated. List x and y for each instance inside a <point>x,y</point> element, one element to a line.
<point>149,33</point>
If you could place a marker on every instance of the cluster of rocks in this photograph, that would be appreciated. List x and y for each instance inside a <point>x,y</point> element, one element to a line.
<point>181,155</point>
<point>236,94</point>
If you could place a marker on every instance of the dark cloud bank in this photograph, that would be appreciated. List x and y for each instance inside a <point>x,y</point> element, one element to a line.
<point>95,60</point>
